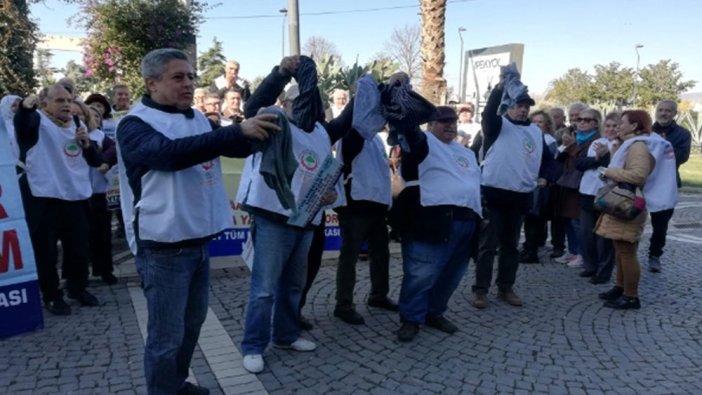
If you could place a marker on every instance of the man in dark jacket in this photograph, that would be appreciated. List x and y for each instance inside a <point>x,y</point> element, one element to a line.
<point>680,138</point>
<point>517,159</point>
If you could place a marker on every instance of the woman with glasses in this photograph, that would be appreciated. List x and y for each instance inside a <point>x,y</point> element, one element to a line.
<point>597,252</point>
<point>574,146</point>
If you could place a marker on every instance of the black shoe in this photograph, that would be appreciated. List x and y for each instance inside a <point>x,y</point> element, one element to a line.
<point>109,279</point>
<point>407,331</point>
<point>305,325</point>
<point>442,324</point>
<point>623,303</point>
<point>587,273</point>
<point>612,294</point>
<point>349,316</point>
<point>192,389</point>
<point>557,253</point>
<point>598,280</point>
<point>85,298</point>
<point>528,257</point>
<point>58,307</point>
<point>385,303</point>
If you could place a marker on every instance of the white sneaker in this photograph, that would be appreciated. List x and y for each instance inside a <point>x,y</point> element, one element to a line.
<point>565,258</point>
<point>298,345</point>
<point>576,262</point>
<point>253,363</point>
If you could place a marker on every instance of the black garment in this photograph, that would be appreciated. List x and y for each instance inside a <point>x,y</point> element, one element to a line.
<point>100,236</point>
<point>535,233</point>
<point>659,223</point>
<point>314,259</point>
<point>404,108</point>
<point>597,252</point>
<point>307,107</point>
<point>50,220</point>
<point>502,230</point>
<point>356,228</point>
<point>681,140</point>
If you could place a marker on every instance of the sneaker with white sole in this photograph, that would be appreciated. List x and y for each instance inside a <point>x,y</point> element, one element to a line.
<point>298,345</point>
<point>576,262</point>
<point>253,363</point>
<point>565,258</point>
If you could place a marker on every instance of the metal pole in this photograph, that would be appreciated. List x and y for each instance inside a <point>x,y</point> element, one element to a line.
<point>284,11</point>
<point>294,26</point>
<point>461,93</point>
<point>636,77</point>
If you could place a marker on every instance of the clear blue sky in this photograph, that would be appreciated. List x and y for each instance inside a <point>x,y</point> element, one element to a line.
<point>557,34</point>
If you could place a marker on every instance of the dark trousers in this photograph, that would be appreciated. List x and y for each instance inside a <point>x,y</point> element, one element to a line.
<point>659,223</point>
<point>314,259</point>
<point>355,230</point>
<point>597,252</point>
<point>100,235</point>
<point>535,233</point>
<point>50,220</point>
<point>558,232</point>
<point>502,231</point>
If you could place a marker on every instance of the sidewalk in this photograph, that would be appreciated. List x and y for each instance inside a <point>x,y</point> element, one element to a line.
<point>561,341</point>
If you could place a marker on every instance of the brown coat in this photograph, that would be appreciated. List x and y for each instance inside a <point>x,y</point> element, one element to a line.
<point>638,165</point>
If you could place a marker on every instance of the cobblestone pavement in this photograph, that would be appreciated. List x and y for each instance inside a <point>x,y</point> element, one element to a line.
<point>561,341</point>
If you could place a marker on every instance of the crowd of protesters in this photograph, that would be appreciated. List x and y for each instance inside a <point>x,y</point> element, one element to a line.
<point>456,190</point>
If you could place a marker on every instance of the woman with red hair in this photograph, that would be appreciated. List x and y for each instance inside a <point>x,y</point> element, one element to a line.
<point>640,159</point>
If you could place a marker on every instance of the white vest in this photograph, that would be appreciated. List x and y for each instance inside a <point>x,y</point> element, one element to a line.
<point>109,127</point>
<point>55,165</point>
<point>10,129</point>
<point>370,173</point>
<point>175,205</point>
<point>310,150</point>
<point>661,188</point>
<point>513,160</point>
<point>449,175</point>
<point>97,179</point>
<point>591,182</point>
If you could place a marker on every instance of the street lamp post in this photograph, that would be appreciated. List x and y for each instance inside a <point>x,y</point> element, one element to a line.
<point>636,77</point>
<point>460,68</point>
<point>283,11</point>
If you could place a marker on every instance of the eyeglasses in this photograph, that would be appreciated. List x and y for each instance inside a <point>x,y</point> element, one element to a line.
<point>585,119</point>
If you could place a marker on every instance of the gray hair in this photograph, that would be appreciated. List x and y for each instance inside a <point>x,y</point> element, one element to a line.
<point>577,106</point>
<point>673,102</point>
<point>153,63</point>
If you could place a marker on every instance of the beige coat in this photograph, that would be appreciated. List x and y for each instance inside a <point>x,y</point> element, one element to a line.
<point>638,165</point>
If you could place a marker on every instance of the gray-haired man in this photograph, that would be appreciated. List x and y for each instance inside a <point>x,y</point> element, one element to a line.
<point>173,202</point>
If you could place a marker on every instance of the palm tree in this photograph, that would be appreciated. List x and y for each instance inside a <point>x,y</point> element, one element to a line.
<point>433,42</point>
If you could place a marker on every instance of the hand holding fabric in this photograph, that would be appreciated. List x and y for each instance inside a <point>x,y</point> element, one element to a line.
<point>259,127</point>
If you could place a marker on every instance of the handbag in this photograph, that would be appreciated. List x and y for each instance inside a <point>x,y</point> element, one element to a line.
<point>622,200</point>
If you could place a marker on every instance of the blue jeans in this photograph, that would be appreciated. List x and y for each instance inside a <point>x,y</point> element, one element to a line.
<point>432,272</point>
<point>176,283</point>
<point>278,275</point>
<point>573,235</point>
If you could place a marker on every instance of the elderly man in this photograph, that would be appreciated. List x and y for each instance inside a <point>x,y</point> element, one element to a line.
<point>441,209</point>
<point>57,154</point>
<point>680,138</point>
<point>213,108</point>
<point>517,159</point>
<point>231,80</point>
<point>558,116</point>
<point>339,99</point>
<point>174,202</point>
<point>232,105</point>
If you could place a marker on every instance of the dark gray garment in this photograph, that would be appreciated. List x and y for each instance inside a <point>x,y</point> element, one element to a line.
<point>278,162</point>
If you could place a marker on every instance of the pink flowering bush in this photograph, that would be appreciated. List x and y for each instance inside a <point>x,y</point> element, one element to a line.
<point>121,32</point>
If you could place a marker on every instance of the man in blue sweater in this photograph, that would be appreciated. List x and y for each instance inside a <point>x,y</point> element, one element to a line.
<point>174,202</point>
